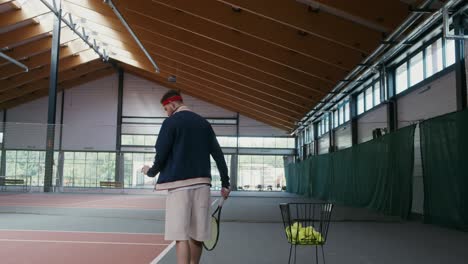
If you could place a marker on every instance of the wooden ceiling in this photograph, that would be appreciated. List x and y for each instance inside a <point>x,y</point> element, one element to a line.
<point>269,60</point>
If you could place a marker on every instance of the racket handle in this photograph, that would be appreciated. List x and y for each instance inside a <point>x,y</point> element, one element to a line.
<point>221,201</point>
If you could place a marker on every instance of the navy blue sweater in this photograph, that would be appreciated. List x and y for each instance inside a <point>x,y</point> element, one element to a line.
<point>183,148</point>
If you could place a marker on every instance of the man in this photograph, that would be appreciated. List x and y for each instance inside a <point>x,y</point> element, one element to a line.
<point>183,148</point>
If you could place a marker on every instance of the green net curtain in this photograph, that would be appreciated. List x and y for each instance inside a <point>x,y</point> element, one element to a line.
<point>376,174</point>
<point>444,146</point>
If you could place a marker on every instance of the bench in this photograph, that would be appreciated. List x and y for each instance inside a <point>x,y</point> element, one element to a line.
<point>13,182</point>
<point>111,184</point>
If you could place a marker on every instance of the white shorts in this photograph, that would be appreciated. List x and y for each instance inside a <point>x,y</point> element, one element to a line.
<point>188,214</point>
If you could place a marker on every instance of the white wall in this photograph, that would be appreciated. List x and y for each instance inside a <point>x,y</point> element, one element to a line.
<point>141,98</point>
<point>434,99</point>
<point>251,127</point>
<point>343,137</point>
<point>367,122</point>
<point>26,125</point>
<point>90,115</point>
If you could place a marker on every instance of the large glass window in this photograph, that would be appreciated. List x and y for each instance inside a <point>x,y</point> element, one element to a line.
<point>25,163</point>
<point>133,177</point>
<point>376,93</point>
<point>401,78</point>
<point>341,115</point>
<point>360,103</point>
<point>268,142</point>
<point>87,169</point>
<point>336,121</point>
<point>258,172</point>
<point>434,61</point>
<point>227,142</point>
<point>369,98</point>
<point>346,112</point>
<point>416,69</point>
<point>215,177</point>
<point>450,52</point>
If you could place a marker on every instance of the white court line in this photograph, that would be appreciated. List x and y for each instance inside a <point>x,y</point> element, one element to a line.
<point>165,251</point>
<point>81,242</point>
<point>64,207</point>
<point>87,232</point>
<point>92,201</point>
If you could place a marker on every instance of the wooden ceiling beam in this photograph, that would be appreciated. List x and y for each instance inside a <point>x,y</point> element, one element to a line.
<point>12,38</point>
<point>314,22</point>
<point>301,96</point>
<point>211,86</point>
<point>181,67</point>
<point>146,13</point>
<point>278,34</point>
<point>94,16</point>
<point>386,14</point>
<point>39,73</point>
<point>147,29</point>
<point>69,74</point>
<point>164,45</point>
<point>37,46</point>
<point>239,82</point>
<point>42,59</point>
<point>215,85</point>
<point>61,86</point>
<point>292,84</point>
<point>29,10</point>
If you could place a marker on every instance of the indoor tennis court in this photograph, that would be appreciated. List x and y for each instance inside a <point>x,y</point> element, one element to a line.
<point>338,126</point>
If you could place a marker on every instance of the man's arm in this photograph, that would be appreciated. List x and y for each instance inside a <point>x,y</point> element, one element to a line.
<point>218,156</point>
<point>163,148</point>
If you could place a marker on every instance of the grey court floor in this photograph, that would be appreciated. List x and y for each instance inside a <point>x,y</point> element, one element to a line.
<point>252,232</point>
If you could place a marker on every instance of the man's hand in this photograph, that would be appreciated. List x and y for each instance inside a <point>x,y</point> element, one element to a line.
<point>145,169</point>
<point>225,192</point>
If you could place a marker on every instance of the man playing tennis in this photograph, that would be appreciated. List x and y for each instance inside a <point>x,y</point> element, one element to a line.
<point>183,148</point>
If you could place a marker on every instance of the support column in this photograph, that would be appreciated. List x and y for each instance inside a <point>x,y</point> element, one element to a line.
<point>235,159</point>
<point>119,161</point>
<point>315,128</point>
<point>3,158</point>
<point>54,66</point>
<point>354,120</point>
<point>392,115</point>
<point>61,156</point>
<point>460,66</point>
<point>331,133</point>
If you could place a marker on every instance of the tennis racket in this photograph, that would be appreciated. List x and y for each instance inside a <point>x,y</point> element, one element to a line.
<point>210,244</point>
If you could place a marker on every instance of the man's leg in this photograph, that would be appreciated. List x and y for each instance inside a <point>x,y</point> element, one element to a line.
<point>195,251</point>
<point>183,252</point>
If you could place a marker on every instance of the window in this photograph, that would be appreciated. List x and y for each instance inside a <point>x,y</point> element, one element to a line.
<point>401,78</point>
<point>311,131</point>
<point>336,120</point>
<point>377,93</point>
<point>87,169</point>
<point>346,112</point>
<point>342,119</point>
<point>449,52</point>
<point>360,103</point>
<point>368,94</point>
<point>416,69</point>
<point>269,142</point>
<point>327,122</point>
<point>434,61</point>
<point>227,142</point>
<point>260,173</point>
